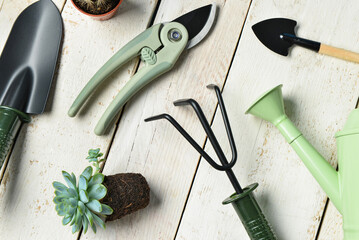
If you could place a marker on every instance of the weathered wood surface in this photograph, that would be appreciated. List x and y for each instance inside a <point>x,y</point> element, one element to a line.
<point>332,227</point>
<point>53,141</point>
<point>156,149</point>
<point>319,93</point>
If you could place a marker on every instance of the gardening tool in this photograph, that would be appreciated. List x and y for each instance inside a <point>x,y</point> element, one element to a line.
<point>159,47</point>
<point>341,187</point>
<point>242,200</point>
<point>278,35</point>
<point>27,66</point>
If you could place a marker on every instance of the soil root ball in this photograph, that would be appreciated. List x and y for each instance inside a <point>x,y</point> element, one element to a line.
<point>126,193</point>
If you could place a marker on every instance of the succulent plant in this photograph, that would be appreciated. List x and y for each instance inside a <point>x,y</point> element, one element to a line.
<point>79,204</point>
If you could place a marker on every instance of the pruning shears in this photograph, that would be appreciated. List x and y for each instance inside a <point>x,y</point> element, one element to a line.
<point>159,47</point>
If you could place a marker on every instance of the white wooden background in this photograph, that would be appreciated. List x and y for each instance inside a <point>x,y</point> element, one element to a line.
<point>186,193</point>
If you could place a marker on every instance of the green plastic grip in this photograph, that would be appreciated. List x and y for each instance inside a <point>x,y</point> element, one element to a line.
<point>140,79</point>
<point>10,122</point>
<point>148,38</point>
<point>156,64</point>
<point>251,215</point>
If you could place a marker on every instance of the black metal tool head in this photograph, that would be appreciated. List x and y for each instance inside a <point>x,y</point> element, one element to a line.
<point>226,166</point>
<point>198,23</point>
<point>28,61</point>
<point>270,33</point>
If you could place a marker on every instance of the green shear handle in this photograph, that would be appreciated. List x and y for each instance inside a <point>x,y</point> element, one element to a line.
<point>146,45</point>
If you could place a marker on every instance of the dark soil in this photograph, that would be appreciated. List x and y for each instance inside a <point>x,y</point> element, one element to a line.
<point>126,193</point>
<point>96,7</point>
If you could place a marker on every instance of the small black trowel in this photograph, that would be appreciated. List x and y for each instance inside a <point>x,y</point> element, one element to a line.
<point>278,35</point>
<point>27,66</point>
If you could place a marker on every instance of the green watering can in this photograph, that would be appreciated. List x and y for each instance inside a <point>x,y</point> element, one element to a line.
<point>337,185</point>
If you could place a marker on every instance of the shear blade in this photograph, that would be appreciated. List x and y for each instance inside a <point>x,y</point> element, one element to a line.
<point>198,23</point>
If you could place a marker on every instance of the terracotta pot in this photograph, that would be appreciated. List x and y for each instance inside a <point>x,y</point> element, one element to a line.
<point>100,17</point>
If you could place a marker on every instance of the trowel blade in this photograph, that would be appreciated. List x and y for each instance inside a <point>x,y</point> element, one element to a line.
<point>269,33</point>
<point>28,60</point>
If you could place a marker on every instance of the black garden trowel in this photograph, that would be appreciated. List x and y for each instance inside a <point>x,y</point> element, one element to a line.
<point>278,35</point>
<point>27,66</point>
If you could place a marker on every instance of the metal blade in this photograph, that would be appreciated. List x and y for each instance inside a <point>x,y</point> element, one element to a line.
<point>269,33</point>
<point>198,23</point>
<point>28,61</point>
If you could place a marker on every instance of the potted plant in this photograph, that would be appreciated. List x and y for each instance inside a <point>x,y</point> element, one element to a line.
<point>95,198</point>
<point>97,9</point>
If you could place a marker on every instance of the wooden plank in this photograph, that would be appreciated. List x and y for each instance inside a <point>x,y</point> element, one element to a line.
<point>156,149</point>
<point>53,141</point>
<point>319,93</point>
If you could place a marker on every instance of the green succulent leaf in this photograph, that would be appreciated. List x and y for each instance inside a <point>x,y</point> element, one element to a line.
<point>87,173</point>
<point>82,207</point>
<point>92,159</point>
<point>58,199</point>
<point>97,178</point>
<point>69,180</point>
<point>78,203</point>
<point>93,226</point>
<point>94,153</point>
<point>59,186</point>
<point>88,214</point>
<point>106,210</point>
<point>85,224</point>
<point>73,219</point>
<point>72,193</point>
<point>73,178</point>
<point>73,202</point>
<point>75,228</point>
<point>66,220</point>
<point>57,192</point>
<point>84,196</point>
<point>97,191</point>
<point>65,194</point>
<point>94,205</point>
<point>99,221</point>
<point>61,213</point>
<point>71,212</point>
<point>78,218</point>
<point>82,183</point>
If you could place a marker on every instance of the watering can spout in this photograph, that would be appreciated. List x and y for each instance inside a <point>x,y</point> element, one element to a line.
<point>270,107</point>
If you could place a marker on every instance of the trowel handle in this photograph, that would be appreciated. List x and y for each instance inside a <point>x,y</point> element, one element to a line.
<point>339,53</point>
<point>251,215</point>
<point>10,122</point>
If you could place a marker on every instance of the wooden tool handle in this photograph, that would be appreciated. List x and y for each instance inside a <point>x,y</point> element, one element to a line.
<point>339,53</point>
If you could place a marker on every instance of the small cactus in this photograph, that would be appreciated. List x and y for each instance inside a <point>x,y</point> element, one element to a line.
<point>96,6</point>
<point>80,204</point>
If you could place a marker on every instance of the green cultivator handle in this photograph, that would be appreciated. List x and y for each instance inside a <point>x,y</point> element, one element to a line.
<point>251,215</point>
<point>10,122</point>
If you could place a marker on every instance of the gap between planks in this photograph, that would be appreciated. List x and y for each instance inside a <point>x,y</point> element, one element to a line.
<point>211,121</point>
<point>118,120</point>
